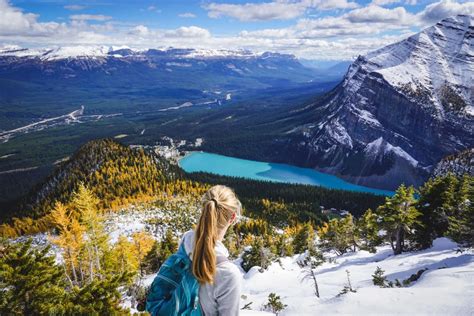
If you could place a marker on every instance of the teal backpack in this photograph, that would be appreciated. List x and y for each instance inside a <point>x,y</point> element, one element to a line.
<point>175,290</point>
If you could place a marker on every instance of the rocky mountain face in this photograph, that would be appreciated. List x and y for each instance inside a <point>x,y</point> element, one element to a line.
<point>398,111</point>
<point>459,164</point>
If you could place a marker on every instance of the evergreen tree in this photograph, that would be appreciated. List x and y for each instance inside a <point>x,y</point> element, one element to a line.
<point>461,223</point>
<point>274,304</point>
<point>338,235</point>
<point>159,252</point>
<point>368,231</point>
<point>378,278</point>
<point>399,217</point>
<point>30,281</point>
<point>304,238</point>
<point>436,204</point>
<point>283,246</point>
<point>99,297</point>
<point>256,255</point>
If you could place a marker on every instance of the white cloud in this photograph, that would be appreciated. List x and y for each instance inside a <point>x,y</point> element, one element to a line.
<point>189,32</point>
<point>14,22</point>
<point>90,17</point>
<point>187,15</point>
<point>256,11</point>
<point>74,7</point>
<point>376,14</point>
<point>341,35</point>
<point>335,4</point>
<point>139,30</point>
<point>384,2</point>
<point>439,10</point>
<point>276,10</point>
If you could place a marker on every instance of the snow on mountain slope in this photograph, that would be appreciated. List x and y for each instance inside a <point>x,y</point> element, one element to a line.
<point>64,52</point>
<point>446,288</point>
<point>416,95</point>
<point>439,56</point>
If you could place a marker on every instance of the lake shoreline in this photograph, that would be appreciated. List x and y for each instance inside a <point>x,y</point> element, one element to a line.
<point>200,161</point>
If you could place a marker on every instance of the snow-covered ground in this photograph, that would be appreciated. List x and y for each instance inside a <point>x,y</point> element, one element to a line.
<point>446,288</point>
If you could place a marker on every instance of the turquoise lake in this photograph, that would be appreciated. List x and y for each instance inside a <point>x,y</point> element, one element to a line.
<point>257,170</point>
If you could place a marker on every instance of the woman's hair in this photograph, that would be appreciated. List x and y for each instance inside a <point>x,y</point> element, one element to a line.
<point>219,204</point>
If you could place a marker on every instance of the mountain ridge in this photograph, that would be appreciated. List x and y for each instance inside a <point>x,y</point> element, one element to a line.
<point>396,95</point>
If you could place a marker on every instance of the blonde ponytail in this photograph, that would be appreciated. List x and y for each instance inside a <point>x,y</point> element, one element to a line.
<point>219,204</point>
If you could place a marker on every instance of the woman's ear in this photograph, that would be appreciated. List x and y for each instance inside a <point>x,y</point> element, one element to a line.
<point>233,217</point>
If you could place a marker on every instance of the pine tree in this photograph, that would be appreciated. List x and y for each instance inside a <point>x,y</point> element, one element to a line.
<point>436,204</point>
<point>99,297</point>
<point>283,245</point>
<point>368,231</point>
<point>399,216</point>
<point>256,255</point>
<point>304,238</point>
<point>338,235</point>
<point>461,223</point>
<point>378,278</point>
<point>30,281</point>
<point>159,252</point>
<point>274,304</point>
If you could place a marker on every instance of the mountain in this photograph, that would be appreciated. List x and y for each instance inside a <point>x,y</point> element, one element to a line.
<point>459,164</point>
<point>398,111</point>
<point>115,173</point>
<point>331,69</point>
<point>75,62</point>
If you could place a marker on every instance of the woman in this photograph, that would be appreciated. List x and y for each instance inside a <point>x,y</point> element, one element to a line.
<point>219,279</point>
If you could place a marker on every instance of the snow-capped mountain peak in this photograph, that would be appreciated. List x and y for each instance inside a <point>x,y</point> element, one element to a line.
<point>403,107</point>
<point>82,51</point>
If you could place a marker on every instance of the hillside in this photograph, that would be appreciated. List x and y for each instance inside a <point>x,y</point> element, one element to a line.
<point>398,111</point>
<point>117,175</point>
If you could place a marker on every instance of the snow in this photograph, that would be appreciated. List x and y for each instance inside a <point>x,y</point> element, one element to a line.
<point>380,146</point>
<point>469,110</point>
<point>436,57</point>
<point>62,52</point>
<point>337,132</point>
<point>444,289</point>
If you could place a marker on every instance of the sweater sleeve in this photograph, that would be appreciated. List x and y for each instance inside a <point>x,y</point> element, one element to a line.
<point>227,291</point>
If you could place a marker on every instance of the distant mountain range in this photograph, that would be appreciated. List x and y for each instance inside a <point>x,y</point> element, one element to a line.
<point>398,111</point>
<point>205,66</point>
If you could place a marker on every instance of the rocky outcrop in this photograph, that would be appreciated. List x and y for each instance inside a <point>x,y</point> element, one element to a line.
<point>459,164</point>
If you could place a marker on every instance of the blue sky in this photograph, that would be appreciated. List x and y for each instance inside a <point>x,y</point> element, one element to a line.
<point>314,29</point>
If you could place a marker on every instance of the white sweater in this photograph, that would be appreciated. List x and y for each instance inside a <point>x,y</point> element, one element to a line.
<point>223,297</point>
